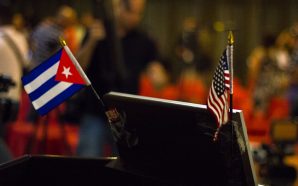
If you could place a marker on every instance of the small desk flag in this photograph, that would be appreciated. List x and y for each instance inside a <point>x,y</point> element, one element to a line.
<point>54,81</point>
<point>217,101</point>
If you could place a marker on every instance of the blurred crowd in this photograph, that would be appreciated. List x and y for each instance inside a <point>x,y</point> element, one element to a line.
<point>117,55</point>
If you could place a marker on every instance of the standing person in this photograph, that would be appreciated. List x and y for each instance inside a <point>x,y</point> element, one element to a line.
<point>137,49</point>
<point>13,52</point>
<point>292,92</point>
<point>268,74</point>
<point>45,38</point>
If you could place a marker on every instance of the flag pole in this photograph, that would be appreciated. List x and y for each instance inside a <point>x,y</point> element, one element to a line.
<point>230,60</point>
<point>80,70</point>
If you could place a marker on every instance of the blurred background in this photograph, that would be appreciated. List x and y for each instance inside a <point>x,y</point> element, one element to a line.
<point>189,37</point>
<point>251,20</point>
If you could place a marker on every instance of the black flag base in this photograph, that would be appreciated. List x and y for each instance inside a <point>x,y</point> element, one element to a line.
<point>231,144</point>
<point>120,132</point>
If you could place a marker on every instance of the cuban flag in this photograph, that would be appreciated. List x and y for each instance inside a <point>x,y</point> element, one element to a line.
<point>54,81</point>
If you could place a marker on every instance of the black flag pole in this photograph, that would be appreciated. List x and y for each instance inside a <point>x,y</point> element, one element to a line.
<point>98,98</point>
<point>230,60</point>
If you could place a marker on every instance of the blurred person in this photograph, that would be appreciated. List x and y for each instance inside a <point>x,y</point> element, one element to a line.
<point>137,51</point>
<point>192,87</point>
<point>157,82</point>
<point>85,22</point>
<point>268,78</point>
<point>292,93</point>
<point>74,34</point>
<point>19,23</point>
<point>45,38</point>
<point>194,63</point>
<point>13,52</point>
<point>193,47</point>
<point>293,43</point>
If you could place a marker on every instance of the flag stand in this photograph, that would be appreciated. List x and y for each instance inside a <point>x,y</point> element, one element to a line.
<point>230,48</point>
<point>230,62</point>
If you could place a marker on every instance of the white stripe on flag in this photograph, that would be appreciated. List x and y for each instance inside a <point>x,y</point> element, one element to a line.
<point>214,103</point>
<point>77,65</point>
<point>224,110</point>
<point>218,100</point>
<point>42,78</point>
<point>50,94</point>
<point>214,110</point>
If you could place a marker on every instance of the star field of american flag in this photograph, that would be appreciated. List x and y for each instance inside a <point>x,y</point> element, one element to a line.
<point>217,101</point>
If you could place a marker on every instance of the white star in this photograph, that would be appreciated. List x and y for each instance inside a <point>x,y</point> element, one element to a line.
<point>66,72</point>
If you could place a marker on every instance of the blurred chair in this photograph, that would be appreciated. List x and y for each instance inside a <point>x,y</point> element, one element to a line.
<point>273,167</point>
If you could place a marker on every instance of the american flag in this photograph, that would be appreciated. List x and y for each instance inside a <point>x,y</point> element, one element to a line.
<point>217,101</point>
